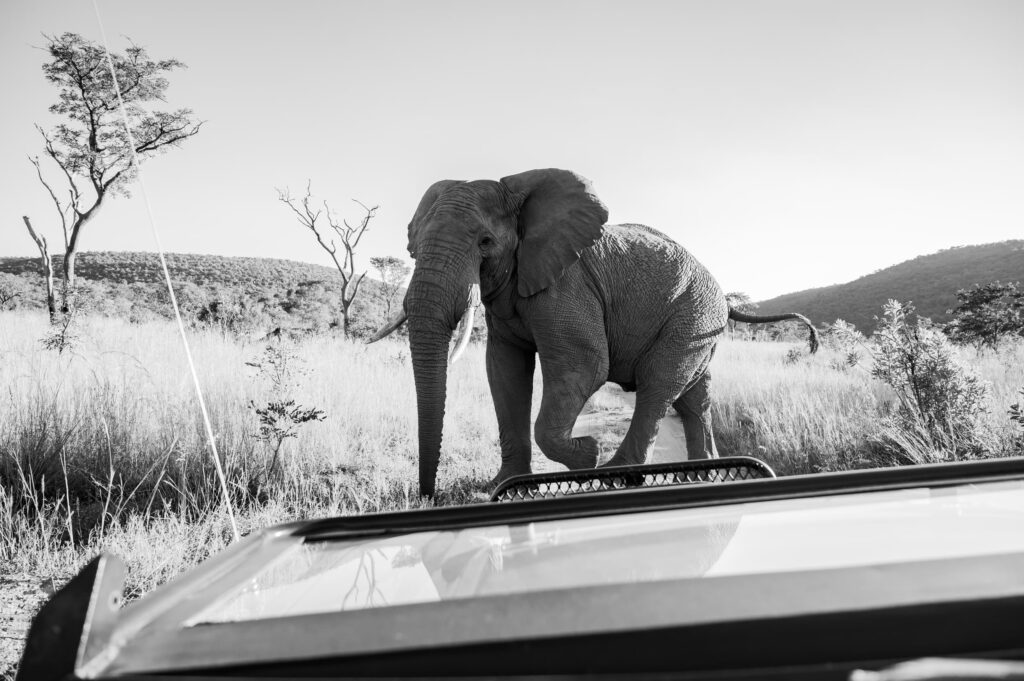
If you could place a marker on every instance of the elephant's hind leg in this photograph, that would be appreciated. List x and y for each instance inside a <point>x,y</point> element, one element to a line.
<point>694,406</point>
<point>665,377</point>
<point>651,406</point>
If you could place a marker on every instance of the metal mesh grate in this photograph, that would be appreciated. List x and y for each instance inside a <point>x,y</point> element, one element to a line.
<point>562,483</point>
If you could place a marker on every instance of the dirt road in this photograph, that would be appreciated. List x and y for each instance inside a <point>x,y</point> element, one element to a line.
<point>20,597</point>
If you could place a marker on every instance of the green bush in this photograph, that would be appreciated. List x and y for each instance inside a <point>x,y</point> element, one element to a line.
<point>987,315</point>
<point>1016,413</point>
<point>847,341</point>
<point>941,404</point>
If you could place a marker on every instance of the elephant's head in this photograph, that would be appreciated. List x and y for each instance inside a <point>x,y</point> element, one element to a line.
<point>483,239</point>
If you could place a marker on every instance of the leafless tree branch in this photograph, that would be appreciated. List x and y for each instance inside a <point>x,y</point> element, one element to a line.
<point>348,237</point>
<point>61,210</point>
<point>44,256</point>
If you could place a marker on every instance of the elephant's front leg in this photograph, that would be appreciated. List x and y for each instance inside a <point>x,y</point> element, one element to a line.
<point>569,381</point>
<point>510,376</point>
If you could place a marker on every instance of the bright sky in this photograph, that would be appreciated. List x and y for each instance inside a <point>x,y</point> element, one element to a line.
<point>787,144</point>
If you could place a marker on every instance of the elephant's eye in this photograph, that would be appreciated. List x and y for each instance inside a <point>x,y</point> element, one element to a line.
<point>486,241</point>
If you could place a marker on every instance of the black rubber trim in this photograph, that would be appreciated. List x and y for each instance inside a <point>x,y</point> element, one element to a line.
<point>661,498</point>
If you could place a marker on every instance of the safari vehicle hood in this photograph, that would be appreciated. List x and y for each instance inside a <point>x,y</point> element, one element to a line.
<point>800,577</point>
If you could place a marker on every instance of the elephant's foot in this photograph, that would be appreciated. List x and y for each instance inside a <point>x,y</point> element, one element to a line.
<point>578,452</point>
<point>629,454</point>
<point>624,459</point>
<point>506,472</point>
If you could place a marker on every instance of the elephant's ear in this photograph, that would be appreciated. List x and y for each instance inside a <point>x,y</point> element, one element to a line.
<point>426,203</point>
<point>559,217</point>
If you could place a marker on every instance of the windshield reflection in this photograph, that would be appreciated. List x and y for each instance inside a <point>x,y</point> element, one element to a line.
<point>773,536</point>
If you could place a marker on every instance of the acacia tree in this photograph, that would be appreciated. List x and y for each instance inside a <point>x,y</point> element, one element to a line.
<point>309,215</point>
<point>987,315</point>
<point>91,149</point>
<point>393,272</point>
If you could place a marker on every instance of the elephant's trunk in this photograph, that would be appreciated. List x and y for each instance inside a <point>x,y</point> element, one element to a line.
<point>435,302</point>
<point>434,307</point>
<point>428,342</point>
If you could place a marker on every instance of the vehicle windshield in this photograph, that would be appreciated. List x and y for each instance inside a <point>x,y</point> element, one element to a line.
<point>820,533</point>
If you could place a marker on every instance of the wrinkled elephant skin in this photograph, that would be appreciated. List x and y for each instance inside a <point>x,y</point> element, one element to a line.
<point>594,302</point>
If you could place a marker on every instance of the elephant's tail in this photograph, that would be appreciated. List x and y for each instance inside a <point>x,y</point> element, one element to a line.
<point>812,341</point>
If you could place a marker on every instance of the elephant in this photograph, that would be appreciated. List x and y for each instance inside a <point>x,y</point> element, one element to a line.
<point>596,303</point>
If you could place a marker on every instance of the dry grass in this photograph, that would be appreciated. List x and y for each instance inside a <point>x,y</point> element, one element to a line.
<point>801,417</point>
<point>807,416</point>
<point>102,448</point>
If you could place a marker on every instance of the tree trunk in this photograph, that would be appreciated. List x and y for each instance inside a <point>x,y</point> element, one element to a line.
<point>51,299</point>
<point>69,268</point>
<point>69,281</point>
<point>44,257</point>
<point>71,249</point>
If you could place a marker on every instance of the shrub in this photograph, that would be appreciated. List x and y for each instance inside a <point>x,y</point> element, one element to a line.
<point>844,338</point>
<point>12,291</point>
<point>233,314</point>
<point>1016,413</point>
<point>987,315</point>
<point>280,418</point>
<point>65,333</point>
<point>940,403</point>
<point>793,356</point>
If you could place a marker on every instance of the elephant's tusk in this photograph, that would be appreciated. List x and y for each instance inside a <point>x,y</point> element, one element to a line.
<point>465,329</point>
<point>390,327</point>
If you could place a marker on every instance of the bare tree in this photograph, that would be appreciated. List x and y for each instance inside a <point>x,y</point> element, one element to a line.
<point>348,237</point>
<point>393,272</point>
<point>92,149</point>
<point>47,263</point>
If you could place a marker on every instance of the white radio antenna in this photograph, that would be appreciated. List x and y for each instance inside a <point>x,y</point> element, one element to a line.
<point>167,278</point>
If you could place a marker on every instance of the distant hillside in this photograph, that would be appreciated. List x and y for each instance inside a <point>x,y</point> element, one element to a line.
<point>132,268</point>
<point>246,295</point>
<point>259,292</point>
<point>929,281</point>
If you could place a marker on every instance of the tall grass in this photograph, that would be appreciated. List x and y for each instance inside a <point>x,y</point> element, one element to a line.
<point>800,417</point>
<point>102,446</point>
<point>809,416</point>
<point>108,434</point>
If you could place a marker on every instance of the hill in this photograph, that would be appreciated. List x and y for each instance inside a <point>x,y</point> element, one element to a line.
<point>128,267</point>
<point>256,293</point>
<point>929,281</point>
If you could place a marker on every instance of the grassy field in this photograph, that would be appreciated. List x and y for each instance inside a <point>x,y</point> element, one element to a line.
<point>102,446</point>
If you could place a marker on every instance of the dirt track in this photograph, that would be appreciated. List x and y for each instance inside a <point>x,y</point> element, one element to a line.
<point>20,597</point>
